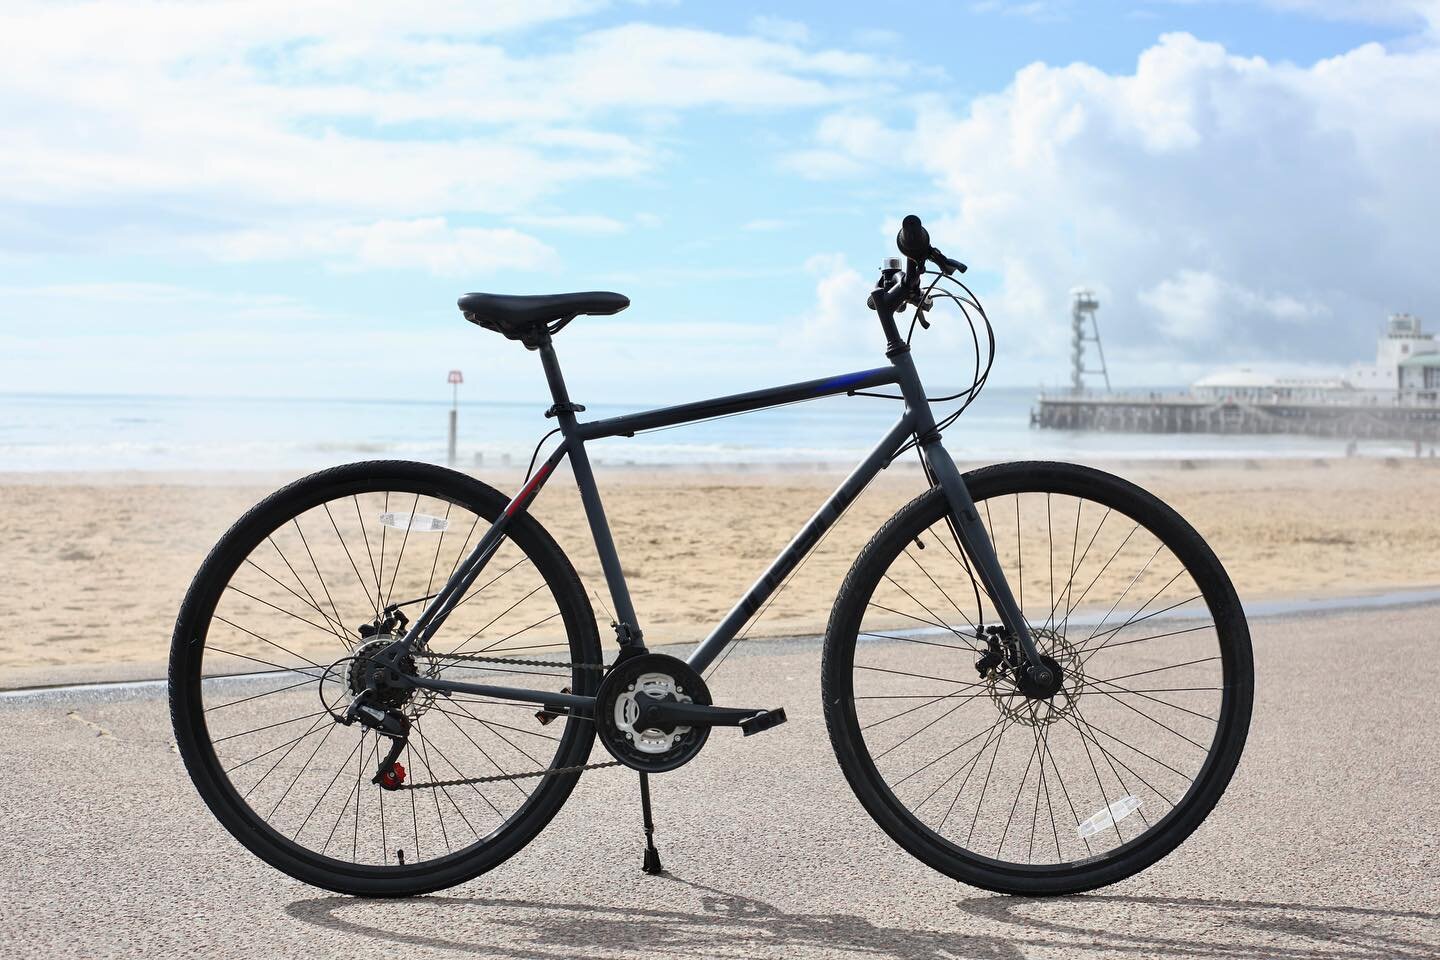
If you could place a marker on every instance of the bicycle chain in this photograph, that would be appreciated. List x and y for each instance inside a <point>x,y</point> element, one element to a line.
<point>556,772</point>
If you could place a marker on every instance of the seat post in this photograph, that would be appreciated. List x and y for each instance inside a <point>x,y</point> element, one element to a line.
<point>627,625</point>
<point>553,376</point>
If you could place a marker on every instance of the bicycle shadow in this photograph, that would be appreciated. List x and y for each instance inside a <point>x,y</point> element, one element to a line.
<point>731,925</point>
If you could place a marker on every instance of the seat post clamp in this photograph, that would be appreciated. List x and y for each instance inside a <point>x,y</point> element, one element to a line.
<point>558,408</point>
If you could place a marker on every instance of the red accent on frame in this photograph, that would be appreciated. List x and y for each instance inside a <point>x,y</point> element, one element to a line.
<point>529,488</point>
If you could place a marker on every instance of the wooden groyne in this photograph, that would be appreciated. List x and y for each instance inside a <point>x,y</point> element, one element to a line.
<point>1183,414</point>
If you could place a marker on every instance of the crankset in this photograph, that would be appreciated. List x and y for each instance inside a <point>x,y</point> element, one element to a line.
<point>654,713</point>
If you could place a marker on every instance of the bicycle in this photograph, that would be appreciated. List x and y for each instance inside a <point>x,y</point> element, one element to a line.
<point>955,670</point>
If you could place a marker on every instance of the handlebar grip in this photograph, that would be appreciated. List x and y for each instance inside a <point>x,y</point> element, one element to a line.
<point>913,240</point>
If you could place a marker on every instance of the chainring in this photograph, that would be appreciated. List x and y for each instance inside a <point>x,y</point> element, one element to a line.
<point>649,750</point>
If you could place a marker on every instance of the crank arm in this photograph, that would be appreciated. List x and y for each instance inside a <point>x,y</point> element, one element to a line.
<point>657,713</point>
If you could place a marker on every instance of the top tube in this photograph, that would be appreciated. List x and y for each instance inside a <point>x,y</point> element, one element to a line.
<point>628,425</point>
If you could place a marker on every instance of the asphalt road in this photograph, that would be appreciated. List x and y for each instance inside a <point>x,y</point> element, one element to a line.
<point>1326,845</point>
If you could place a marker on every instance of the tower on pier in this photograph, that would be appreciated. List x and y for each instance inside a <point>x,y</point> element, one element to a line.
<point>1084,329</point>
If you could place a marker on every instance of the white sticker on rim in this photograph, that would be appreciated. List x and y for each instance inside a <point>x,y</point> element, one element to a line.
<point>418,522</point>
<point>1108,817</point>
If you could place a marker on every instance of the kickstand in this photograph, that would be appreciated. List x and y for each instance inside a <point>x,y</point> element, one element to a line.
<point>652,856</point>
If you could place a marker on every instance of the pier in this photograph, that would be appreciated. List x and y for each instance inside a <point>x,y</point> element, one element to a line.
<point>1183,413</point>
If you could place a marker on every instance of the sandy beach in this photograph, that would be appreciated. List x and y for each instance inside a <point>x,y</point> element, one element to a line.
<point>99,562</point>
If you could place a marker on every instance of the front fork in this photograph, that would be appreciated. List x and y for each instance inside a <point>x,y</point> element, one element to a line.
<point>975,541</point>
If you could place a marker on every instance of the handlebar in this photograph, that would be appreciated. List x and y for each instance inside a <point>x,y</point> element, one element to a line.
<point>894,291</point>
<point>913,240</point>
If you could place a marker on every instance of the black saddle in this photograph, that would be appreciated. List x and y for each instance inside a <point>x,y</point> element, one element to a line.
<point>531,319</point>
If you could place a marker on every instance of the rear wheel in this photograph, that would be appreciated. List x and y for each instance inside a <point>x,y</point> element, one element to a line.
<point>1000,785</point>
<point>273,637</point>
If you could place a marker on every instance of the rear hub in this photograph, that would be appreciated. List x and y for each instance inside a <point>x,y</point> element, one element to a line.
<point>371,672</point>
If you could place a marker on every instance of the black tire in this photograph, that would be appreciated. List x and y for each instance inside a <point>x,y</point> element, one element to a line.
<point>1065,872</point>
<point>191,716</point>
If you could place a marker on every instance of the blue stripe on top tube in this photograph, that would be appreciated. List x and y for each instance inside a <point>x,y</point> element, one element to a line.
<point>846,380</point>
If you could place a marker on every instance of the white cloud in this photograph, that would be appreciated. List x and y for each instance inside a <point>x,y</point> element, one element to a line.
<point>428,244</point>
<point>1225,206</point>
<point>778,28</point>
<point>240,115</point>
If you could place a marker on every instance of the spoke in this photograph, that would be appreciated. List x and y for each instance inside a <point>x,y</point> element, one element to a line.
<point>301,772</point>
<point>515,783</point>
<point>942,590</point>
<point>1050,553</point>
<point>308,601</point>
<point>935,618</point>
<point>968,764</point>
<point>1129,706</point>
<point>435,563</point>
<point>921,730</point>
<point>279,668</point>
<point>1019,558</point>
<point>1126,591</point>
<point>344,764</point>
<point>1065,792</point>
<point>496,618</point>
<point>231,586</point>
<point>374,570</point>
<point>972,765</point>
<point>917,676</point>
<point>277,646</point>
<point>1137,619</point>
<point>352,792</point>
<point>1159,636</point>
<point>461,554</point>
<point>364,590</point>
<point>503,726</point>
<point>243,763</point>
<point>947,696</point>
<point>414,809</point>
<point>323,585</point>
<point>1143,673</point>
<point>271,726</point>
<point>1018,791</point>
<point>1111,760</point>
<point>257,696</point>
<point>395,575</point>
<point>425,749</point>
<point>280,760</point>
<point>933,623</point>
<point>986,786</point>
<point>475,593</point>
<point>460,773</point>
<point>1075,567</point>
<point>928,643</point>
<point>1086,592</point>
<point>968,740</point>
<point>1143,696</point>
<point>1095,729</point>
<point>522,750</point>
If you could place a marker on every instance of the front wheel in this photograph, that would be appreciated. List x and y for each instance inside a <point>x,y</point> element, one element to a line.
<point>1007,787</point>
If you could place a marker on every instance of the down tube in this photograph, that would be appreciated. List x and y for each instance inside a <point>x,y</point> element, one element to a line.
<point>804,541</point>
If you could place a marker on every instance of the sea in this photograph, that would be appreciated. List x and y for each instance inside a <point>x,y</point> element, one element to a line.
<point>82,432</point>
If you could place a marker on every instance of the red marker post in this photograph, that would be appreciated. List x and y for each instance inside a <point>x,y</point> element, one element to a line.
<point>455,379</point>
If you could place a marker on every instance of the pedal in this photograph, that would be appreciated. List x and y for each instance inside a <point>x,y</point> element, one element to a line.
<point>763,721</point>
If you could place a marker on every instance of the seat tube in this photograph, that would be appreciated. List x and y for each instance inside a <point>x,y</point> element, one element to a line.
<point>974,539</point>
<point>627,626</point>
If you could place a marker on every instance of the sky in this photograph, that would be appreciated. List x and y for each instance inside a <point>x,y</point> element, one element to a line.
<point>268,198</point>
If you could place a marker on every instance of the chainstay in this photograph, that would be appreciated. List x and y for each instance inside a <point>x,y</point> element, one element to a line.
<point>466,781</point>
<point>517,661</point>
<point>494,778</point>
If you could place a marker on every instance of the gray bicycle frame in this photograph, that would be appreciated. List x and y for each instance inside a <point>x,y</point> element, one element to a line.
<point>916,422</point>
